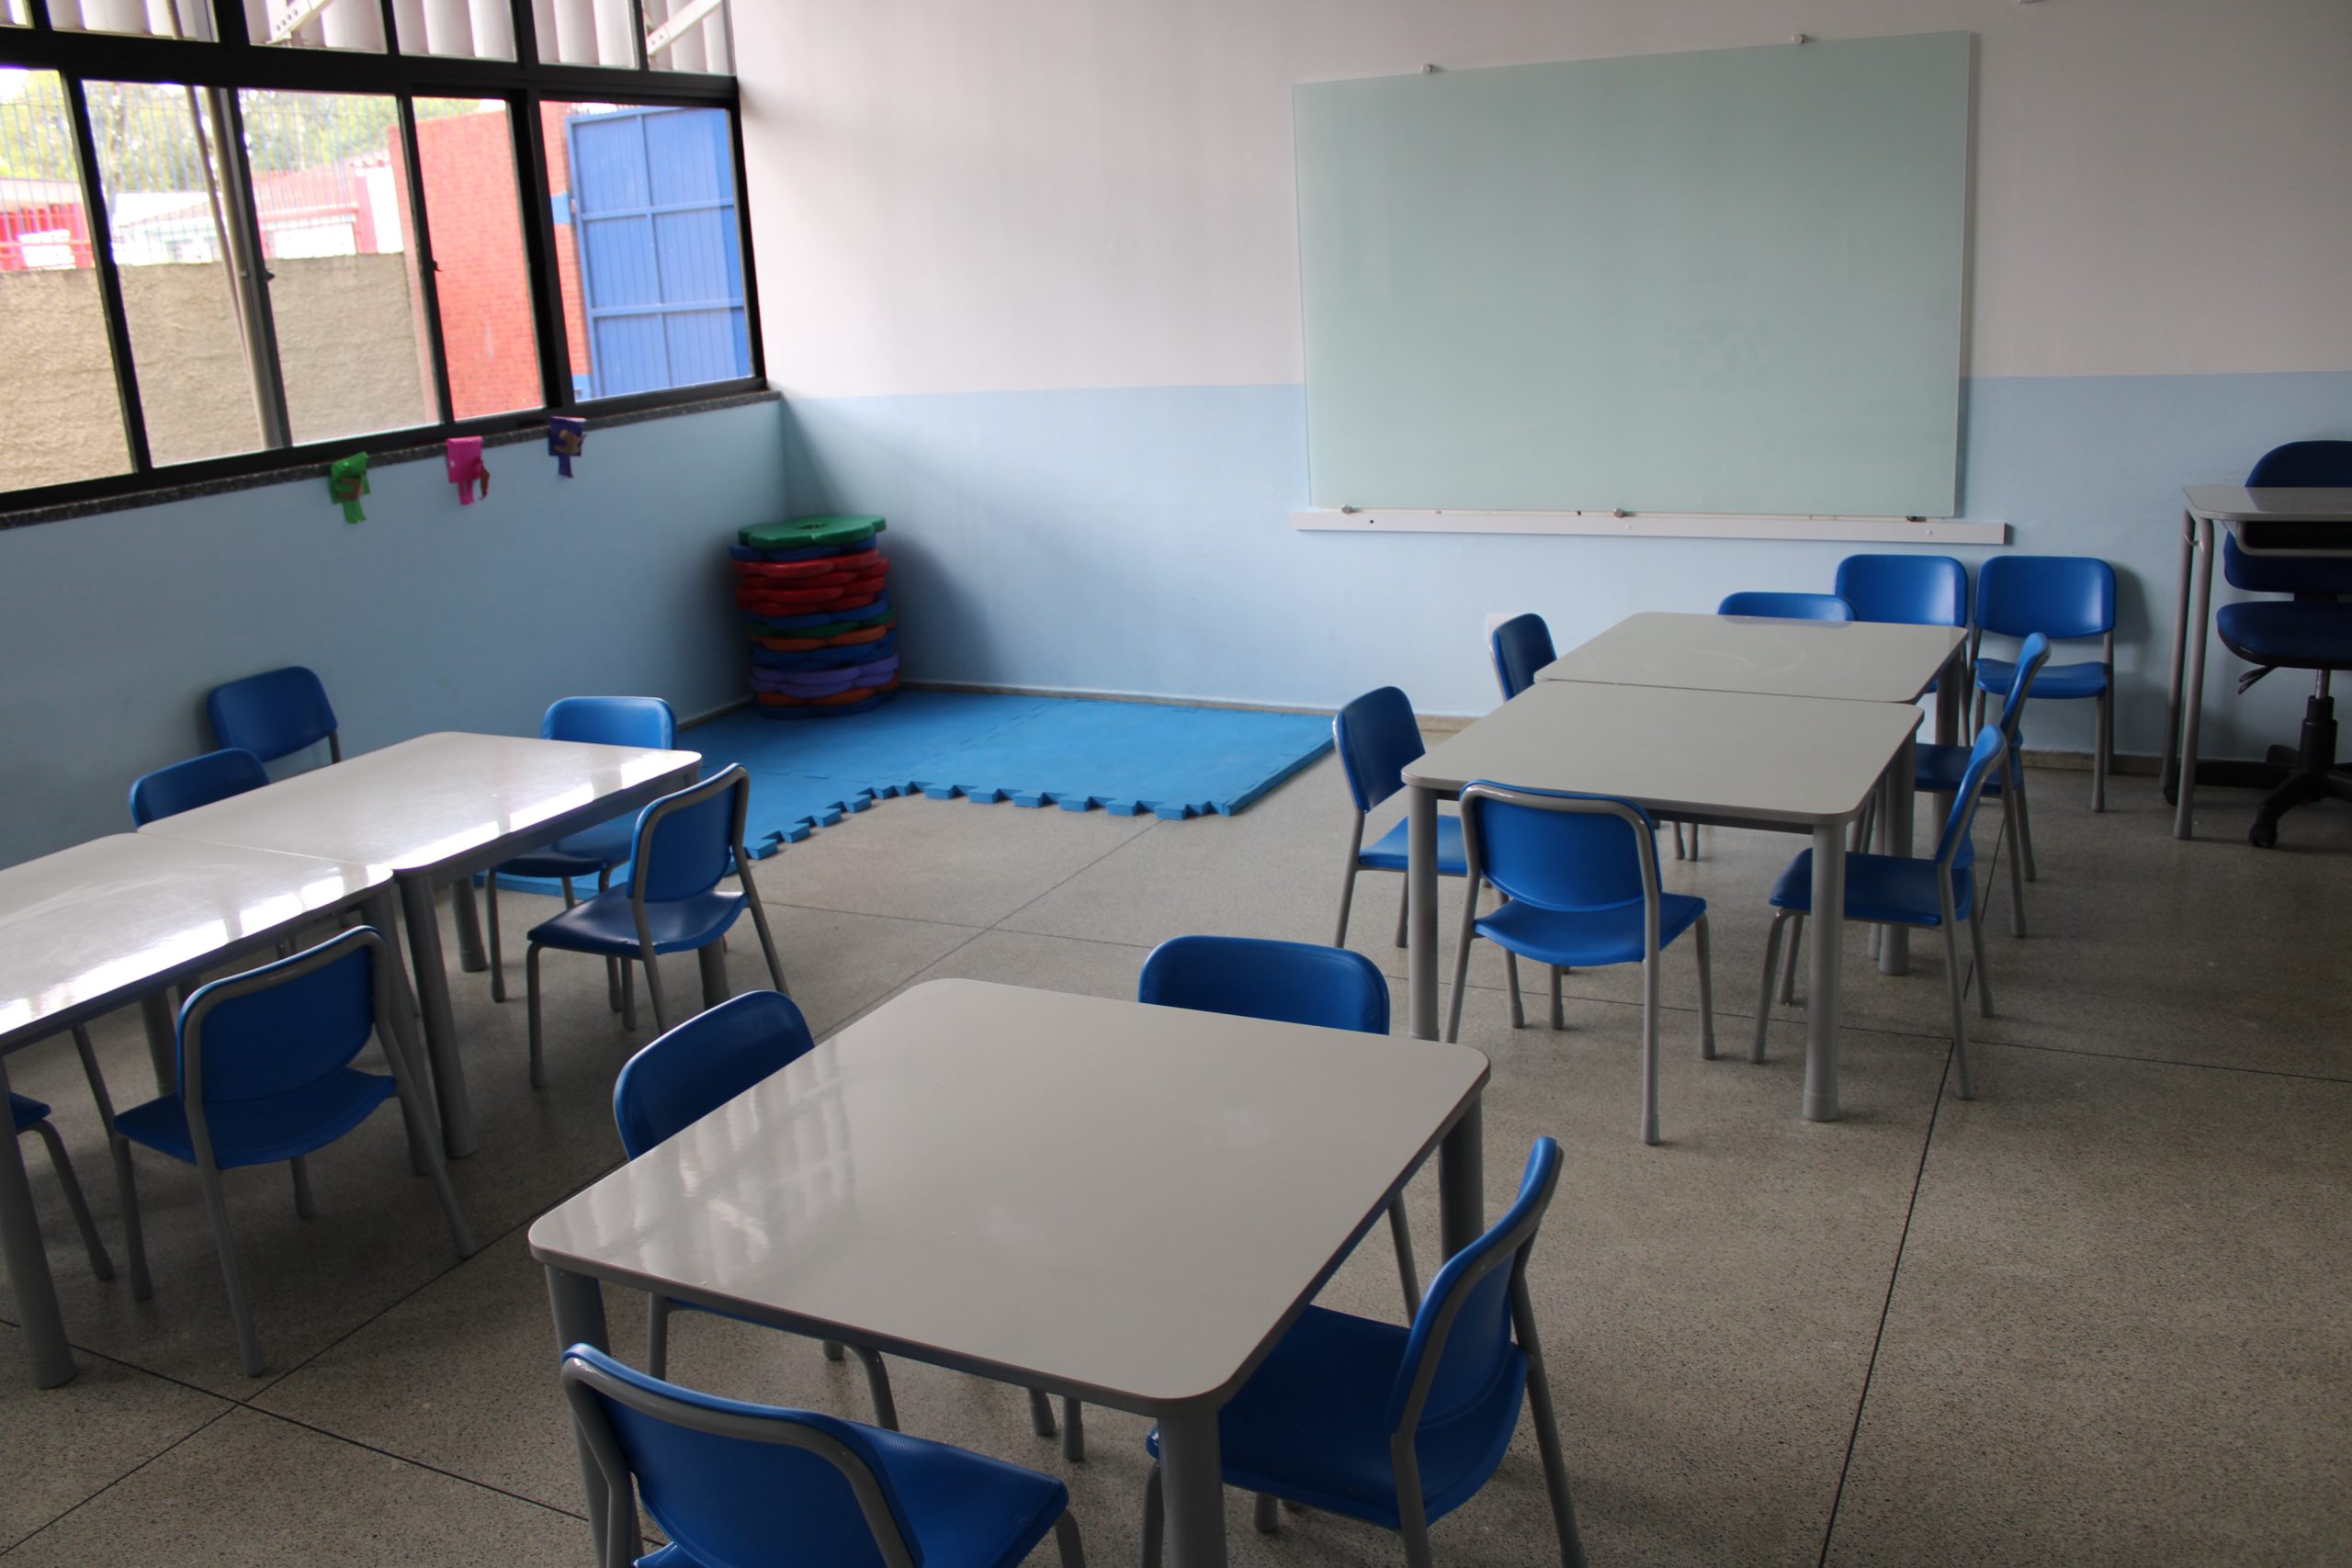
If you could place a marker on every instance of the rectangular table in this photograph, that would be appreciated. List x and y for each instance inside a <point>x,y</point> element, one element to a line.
<point>2296,522</point>
<point>1796,764</point>
<point>1125,1203</point>
<point>437,810</point>
<point>87,929</point>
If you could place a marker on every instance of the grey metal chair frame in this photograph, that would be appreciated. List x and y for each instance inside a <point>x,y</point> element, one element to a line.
<point>100,1264</point>
<point>497,957</point>
<point>1794,920</point>
<point>425,1147</point>
<point>1653,894</point>
<point>582,1386</point>
<point>2102,746</point>
<point>1402,1457</point>
<point>712,957</point>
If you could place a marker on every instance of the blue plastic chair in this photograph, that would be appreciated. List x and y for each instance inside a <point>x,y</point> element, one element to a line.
<point>32,1116</point>
<point>199,781</point>
<point>1903,890</point>
<point>596,852</point>
<point>1375,737</point>
<point>1913,590</point>
<point>682,845</point>
<point>738,1486</point>
<point>273,715</point>
<point>1399,1426</point>
<point>1578,873</point>
<point>2063,598</point>
<point>1787,606</point>
<point>1942,769</point>
<point>265,1075</point>
<point>1288,982</point>
<point>2311,631</point>
<point>1520,647</point>
<point>683,1077</point>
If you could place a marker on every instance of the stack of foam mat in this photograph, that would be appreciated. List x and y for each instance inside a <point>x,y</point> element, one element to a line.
<point>824,638</point>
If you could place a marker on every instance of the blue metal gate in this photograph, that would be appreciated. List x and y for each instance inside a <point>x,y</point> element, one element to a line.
<point>653,204</point>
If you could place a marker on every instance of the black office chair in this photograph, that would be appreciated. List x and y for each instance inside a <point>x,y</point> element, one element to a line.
<point>2313,630</point>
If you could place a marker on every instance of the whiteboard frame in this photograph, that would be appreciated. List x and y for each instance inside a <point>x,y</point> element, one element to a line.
<point>1654,526</point>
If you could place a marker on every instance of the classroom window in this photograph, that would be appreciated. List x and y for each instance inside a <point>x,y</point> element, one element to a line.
<point>465,147</point>
<point>472,30</point>
<point>149,18</point>
<point>52,324</point>
<point>688,35</point>
<point>653,287</point>
<point>586,32</point>
<point>316,24</point>
<point>13,14</point>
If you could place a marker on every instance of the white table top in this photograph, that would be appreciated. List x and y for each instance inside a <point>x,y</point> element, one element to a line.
<point>1872,661</point>
<point>1798,761</point>
<point>2235,503</point>
<point>91,925</point>
<point>426,802</point>
<point>1119,1200</point>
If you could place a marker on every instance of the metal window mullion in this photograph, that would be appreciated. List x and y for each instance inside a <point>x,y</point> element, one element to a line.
<point>533,189</point>
<point>744,232</point>
<point>126,369</point>
<point>229,24</point>
<point>428,284</point>
<point>391,27</point>
<point>252,270</point>
<point>37,13</point>
<point>638,59</point>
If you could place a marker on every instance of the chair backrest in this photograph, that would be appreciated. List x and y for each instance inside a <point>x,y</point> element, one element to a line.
<point>704,1062</point>
<point>2059,596</point>
<point>1288,982</point>
<point>199,781</point>
<point>2311,465</point>
<point>1983,759</point>
<point>284,1026</point>
<point>1787,606</point>
<point>611,721</point>
<point>1375,737</point>
<point>733,1485</point>
<point>1462,1339</point>
<point>1522,646</point>
<point>1919,591</point>
<point>273,713</point>
<point>1558,849</point>
<point>2032,654</point>
<point>685,842</point>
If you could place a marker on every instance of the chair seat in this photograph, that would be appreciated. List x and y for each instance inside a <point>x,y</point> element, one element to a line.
<point>605,925</point>
<point>28,1113</point>
<point>1312,1424</point>
<point>1997,675</point>
<point>1899,891</point>
<point>1389,853</point>
<point>1940,768</point>
<point>965,1510</point>
<point>261,1132</point>
<point>1587,939</point>
<point>2288,636</point>
<point>603,847</point>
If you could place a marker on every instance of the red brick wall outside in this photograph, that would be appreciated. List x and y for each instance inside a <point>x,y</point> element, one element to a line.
<point>567,243</point>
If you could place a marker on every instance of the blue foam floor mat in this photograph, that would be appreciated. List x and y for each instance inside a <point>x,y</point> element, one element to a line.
<point>1125,758</point>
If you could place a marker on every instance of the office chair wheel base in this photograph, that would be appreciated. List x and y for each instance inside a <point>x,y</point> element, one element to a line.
<point>2263,835</point>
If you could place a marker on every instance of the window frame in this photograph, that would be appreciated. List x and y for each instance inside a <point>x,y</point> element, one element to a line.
<point>234,62</point>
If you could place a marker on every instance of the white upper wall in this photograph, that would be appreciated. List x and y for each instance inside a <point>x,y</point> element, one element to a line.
<point>999,195</point>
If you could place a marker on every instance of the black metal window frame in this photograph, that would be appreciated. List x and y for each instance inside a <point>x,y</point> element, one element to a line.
<point>235,61</point>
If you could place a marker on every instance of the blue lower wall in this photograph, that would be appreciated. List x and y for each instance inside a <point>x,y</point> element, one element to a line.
<point>1138,540</point>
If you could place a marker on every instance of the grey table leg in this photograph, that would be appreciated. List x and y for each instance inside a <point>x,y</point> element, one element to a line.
<point>1462,1181</point>
<point>48,1357</point>
<point>162,1037</point>
<point>2167,775</point>
<point>440,1029</point>
<point>2192,693</point>
<point>713,962</point>
<point>1192,1475</point>
<point>470,957</point>
<point>578,1305</point>
<point>381,911</point>
<point>1952,696</point>
<point>1902,794</point>
<point>1421,897</point>
<point>1829,930</point>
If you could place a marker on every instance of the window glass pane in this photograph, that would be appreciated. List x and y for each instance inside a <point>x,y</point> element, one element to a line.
<point>334,234</point>
<point>52,326</point>
<point>688,35</point>
<point>167,211</point>
<point>315,24</point>
<point>13,14</point>
<point>473,211</point>
<point>586,32</point>
<point>477,29</point>
<point>153,19</point>
<point>648,252</point>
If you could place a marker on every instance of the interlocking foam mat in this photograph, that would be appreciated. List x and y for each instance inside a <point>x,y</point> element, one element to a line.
<point>1125,758</point>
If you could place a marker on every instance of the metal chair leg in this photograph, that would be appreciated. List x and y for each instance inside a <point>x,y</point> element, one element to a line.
<point>654,991</point>
<point>305,1206</point>
<point>1347,884</point>
<point>628,993</point>
<point>1764,998</point>
<point>240,1312</point>
<point>1677,843</point>
<point>878,1388</point>
<point>1155,1518</point>
<point>1559,1004</point>
<point>490,916</point>
<point>1510,977</point>
<point>1404,906</point>
<point>1789,973</point>
<point>1066,1538</point>
<point>1706,993</point>
<point>100,1264</point>
<point>1267,1515</point>
<point>1984,977</point>
<point>767,947</point>
<point>1649,1125</point>
<point>1041,1414</point>
<point>657,1336</point>
<point>531,1007</point>
<point>118,1153</point>
<point>2103,744</point>
<point>1959,1011</point>
<point>1547,1445</point>
<point>1400,1231</point>
<point>2011,800</point>
<point>1461,969</point>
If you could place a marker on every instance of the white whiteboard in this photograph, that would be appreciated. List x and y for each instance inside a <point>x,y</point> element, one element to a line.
<point>1718,282</point>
